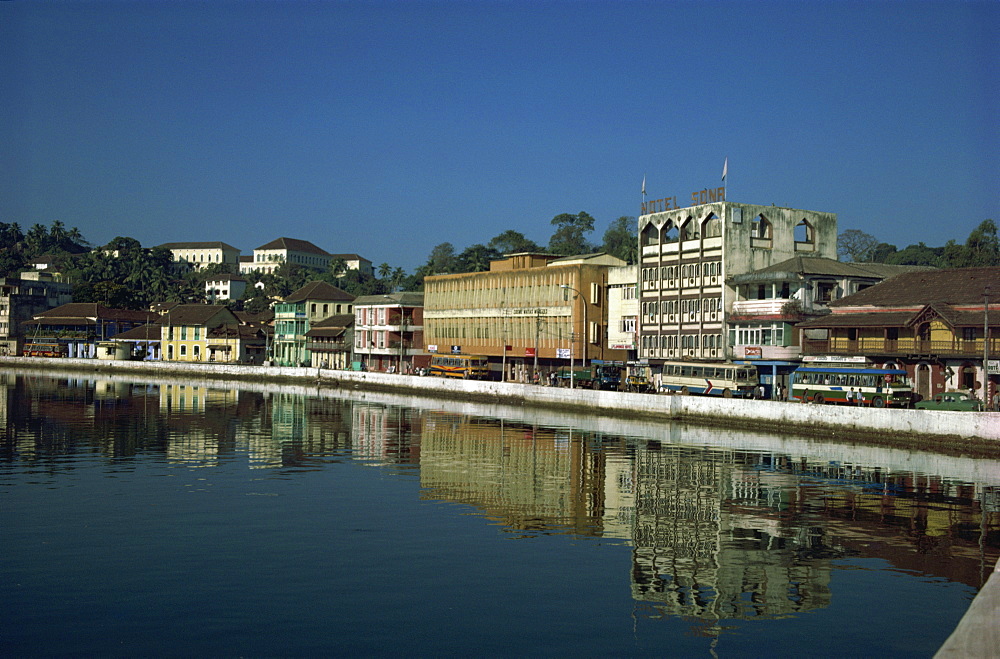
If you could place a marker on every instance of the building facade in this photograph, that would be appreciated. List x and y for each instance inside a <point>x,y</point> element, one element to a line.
<point>198,255</point>
<point>185,329</point>
<point>623,309</point>
<point>330,342</point>
<point>355,262</point>
<point>293,319</point>
<point>225,286</point>
<point>23,297</point>
<point>268,257</point>
<point>75,329</point>
<point>389,332</point>
<point>686,256</point>
<point>530,312</point>
<point>939,325</point>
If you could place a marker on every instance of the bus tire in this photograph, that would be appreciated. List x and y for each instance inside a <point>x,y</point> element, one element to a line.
<point>684,391</point>
<point>818,399</point>
<point>878,401</point>
<point>726,393</point>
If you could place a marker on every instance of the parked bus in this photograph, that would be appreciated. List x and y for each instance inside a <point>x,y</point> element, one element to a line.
<point>469,367</point>
<point>877,387</point>
<point>726,380</point>
<point>44,350</point>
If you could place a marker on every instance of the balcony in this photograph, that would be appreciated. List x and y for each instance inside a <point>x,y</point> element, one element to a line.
<point>899,347</point>
<point>759,307</point>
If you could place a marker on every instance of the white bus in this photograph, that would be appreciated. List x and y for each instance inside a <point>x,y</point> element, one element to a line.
<point>708,379</point>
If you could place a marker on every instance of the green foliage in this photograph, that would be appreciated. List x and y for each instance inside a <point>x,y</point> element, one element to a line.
<point>919,254</point>
<point>17,248</point>
<point>621,239</point>
<point>476,258</point>
<point>512,242</point>
<point>569,237</point>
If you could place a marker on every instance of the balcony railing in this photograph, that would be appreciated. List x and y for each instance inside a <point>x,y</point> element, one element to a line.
<point>900,347</point>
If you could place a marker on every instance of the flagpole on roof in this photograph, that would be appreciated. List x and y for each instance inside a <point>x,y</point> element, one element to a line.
<point>643,192</point>
<point>725,183</point>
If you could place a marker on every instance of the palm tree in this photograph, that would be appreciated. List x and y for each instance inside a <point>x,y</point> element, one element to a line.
<point>384,271</point>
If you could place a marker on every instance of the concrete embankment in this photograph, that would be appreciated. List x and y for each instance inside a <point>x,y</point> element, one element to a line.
<point>936,430</point>
<point>978,633</point>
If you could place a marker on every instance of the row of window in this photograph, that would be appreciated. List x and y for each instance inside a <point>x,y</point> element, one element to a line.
<point>668,308</point>
<point>683,341</point>
<point>182,332</point>
<point>688,271</point>
<point>758,335</point>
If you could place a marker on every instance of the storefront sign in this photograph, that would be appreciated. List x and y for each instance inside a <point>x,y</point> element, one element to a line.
<point>564,353</point>
<point>622,346</point>
<point>753,352</point>
<point>529,352</point>
<point>456,350</point>
<point>432,348</point>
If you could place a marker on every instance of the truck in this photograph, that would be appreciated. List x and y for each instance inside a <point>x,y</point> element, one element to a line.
<point>599,375</point>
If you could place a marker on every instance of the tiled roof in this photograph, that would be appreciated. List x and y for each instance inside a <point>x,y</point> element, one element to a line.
<point>320,290</point>
<point>80,310</point>
<point>815,265</point>
<point>150,332</point>
<point>950,286</point>
<point>887,319</point>
<point>295,245</point>
<point>195,314</point>
<point>403,298</point>
<point>349,257</point>
<point>340,320</point>
<point>196,245</point>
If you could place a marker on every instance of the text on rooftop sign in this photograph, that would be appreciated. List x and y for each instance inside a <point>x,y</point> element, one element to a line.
<point>698,197</point>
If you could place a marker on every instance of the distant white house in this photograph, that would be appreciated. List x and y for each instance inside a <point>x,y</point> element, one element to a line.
<point>197,255</point>
<point>355,262</point>
<point>225,286</point>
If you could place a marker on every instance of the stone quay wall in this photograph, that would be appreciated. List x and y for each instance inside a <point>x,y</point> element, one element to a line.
<point>953,428</point>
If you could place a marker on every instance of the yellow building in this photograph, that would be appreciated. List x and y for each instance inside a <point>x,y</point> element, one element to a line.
<point>528,310</point>
<point>184,331</point>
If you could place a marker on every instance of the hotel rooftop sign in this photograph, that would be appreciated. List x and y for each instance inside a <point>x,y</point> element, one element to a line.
<point>698,197</point>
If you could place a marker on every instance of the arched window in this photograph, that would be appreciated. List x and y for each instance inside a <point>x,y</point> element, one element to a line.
<point>711,227</point>
<point>804,232</point>
<point>760,228</point>
<point>689,230</point>
<point>650,235</point>
<point>669,233</point>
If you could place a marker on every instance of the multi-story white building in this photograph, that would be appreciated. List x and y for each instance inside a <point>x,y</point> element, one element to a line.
<point>20,299</point>
<point>225,286</point>
<point>686,256</point>
<point>623,309</point>
<point>198,255</point>
<point>267,258</point>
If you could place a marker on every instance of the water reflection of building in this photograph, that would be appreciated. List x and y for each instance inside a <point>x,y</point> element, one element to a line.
<point>386,435</point>
<point>302,428</point>
<point>526,477</point>
<point>695,556</point>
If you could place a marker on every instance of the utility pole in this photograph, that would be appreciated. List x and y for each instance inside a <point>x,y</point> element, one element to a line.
<point>986,347</point>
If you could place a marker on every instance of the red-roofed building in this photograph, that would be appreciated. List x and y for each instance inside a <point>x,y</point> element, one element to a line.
<point>940,325</point>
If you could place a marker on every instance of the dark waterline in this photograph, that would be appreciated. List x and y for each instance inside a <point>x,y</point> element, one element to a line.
<point>179,520</point>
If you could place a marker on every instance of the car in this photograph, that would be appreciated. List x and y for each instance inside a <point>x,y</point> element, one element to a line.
<point>951,400</point>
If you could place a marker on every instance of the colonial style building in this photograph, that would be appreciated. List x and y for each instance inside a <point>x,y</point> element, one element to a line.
<point>267,258</point>
<point>530,312</point>
<point>933,323</point>
<point>75,329</point>
<point>20,299</point>
<point>198,255</point>
<point>331,341</point>
<point>185,329</point>
<point>770,301</point>
<point>389,332</point>
<point>686,256</point>
<point>294,317</point>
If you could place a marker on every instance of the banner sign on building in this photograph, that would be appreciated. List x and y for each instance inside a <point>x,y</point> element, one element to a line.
<point>456,350</point>
<point>753,352</point>
<point>432,347</point>
<point>564,353</point>
<point>529,352</point>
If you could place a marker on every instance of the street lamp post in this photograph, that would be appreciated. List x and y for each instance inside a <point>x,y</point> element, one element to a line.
<point>583,334</point>
<point>986,348</point>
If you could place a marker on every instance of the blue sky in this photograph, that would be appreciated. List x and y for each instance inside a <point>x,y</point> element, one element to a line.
<point>385,128</point>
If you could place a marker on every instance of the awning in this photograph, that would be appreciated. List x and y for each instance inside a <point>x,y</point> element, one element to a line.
<point>220,347</point>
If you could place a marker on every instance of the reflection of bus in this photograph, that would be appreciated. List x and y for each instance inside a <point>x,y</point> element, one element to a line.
<point>470,367</point>
<point>878,387</point>
<point>726,380</point>
<point>44,350</point>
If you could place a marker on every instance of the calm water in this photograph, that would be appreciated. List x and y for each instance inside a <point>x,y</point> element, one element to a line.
<point>176,519</point>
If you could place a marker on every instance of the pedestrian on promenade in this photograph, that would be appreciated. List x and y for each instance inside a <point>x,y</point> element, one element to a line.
<point>850,396</point>
<point>805,396</point>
